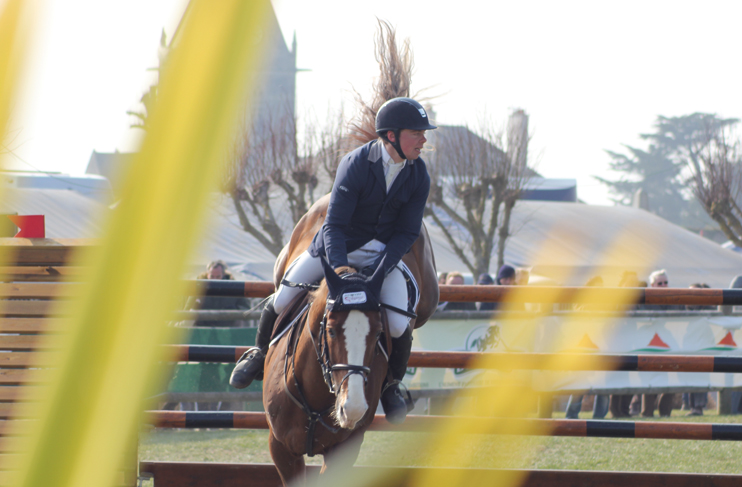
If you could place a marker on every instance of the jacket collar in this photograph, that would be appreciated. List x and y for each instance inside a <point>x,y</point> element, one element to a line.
<point>375,153</point>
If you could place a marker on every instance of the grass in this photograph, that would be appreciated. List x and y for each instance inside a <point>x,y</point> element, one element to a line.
<point>408,449</point>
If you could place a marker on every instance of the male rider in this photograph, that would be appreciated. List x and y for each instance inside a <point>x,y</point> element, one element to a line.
<point>375,212</point>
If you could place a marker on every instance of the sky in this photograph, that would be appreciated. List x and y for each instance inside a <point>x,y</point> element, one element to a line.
<point>591,75</point>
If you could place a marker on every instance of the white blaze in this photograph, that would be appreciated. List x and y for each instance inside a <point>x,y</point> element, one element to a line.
<point>356,330</point>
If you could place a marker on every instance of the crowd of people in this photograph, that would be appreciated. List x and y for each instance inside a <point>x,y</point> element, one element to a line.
<point>627,405</point>
<point>506,276</point>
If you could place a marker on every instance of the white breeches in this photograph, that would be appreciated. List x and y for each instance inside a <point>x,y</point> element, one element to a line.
<point>308,269</point>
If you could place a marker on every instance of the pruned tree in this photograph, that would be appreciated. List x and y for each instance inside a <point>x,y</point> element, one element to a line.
<point>476,180</point>
<point>274,174</point>
<point>716,165</point>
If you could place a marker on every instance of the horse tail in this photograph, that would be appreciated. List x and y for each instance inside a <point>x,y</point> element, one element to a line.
<point>395,64</point>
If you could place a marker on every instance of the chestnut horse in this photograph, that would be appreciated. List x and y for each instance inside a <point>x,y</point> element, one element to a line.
<point>323,379</point>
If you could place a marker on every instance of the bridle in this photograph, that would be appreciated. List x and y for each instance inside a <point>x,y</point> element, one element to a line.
<point>325,361</point>
<point>322,350</point>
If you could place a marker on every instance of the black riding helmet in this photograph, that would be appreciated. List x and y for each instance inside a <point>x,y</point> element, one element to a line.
<point>401,113</point>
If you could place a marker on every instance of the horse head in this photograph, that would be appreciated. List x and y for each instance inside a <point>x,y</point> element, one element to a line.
<point>348,332</point>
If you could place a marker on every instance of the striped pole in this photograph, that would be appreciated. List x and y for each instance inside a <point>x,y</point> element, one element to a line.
<point>524,361</point>
<point>524,294</point>
<point>543,427</point>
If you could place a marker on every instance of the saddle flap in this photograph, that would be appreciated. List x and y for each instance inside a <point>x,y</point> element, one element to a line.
<point>288,314</point>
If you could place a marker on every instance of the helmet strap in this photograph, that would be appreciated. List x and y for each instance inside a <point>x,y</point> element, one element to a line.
<point>397,145</point>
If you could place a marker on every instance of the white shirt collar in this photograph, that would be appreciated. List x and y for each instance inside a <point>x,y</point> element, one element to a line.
<point>386,158</point>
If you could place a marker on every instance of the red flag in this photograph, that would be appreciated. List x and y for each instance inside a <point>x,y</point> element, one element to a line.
<point>29,226</point>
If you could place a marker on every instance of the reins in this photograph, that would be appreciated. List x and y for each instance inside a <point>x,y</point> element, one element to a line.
<point>322,351</point>
<point>314,416</point>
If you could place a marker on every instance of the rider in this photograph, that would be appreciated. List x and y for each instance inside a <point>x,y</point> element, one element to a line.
<point>375,212</point>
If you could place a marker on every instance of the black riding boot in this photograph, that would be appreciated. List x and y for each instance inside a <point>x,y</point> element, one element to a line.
<point>250,366</point>
<point>397,403</point>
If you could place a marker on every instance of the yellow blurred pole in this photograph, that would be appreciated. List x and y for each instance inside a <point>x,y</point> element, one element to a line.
<point>94,399</point>
<point>14,32</point>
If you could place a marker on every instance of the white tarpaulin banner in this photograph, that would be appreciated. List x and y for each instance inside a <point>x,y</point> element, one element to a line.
<point>672,335</point>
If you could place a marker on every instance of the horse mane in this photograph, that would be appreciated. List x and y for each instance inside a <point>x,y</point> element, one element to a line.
<point>318,298</point>
<point>395,65</point>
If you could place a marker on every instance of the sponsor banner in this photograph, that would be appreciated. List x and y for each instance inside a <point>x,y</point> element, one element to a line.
<point>678,335</point>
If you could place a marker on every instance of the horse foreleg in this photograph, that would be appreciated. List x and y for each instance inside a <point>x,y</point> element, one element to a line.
<point>344,454</point>
<point>290,467</point>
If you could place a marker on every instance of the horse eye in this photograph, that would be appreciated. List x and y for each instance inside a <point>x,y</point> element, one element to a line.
<point>331,333</point>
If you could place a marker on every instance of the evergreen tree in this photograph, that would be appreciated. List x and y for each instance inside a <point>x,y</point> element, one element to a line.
<point>662,170</point>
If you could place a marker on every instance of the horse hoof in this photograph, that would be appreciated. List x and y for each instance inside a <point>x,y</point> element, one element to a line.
<point>249,368</point>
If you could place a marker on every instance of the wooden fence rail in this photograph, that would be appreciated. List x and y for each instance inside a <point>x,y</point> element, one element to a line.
<point>524,294</point>
<point>511,426</point>
<point>181,474</point>
<point>501,360</point>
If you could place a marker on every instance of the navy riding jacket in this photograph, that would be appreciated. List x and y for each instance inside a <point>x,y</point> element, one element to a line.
<point>360,209</point>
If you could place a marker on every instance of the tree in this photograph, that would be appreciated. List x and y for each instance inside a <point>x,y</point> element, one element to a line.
<point>476,181</point>
<point>661,171</point>
<point>716,166</point>
<point>267,173</point>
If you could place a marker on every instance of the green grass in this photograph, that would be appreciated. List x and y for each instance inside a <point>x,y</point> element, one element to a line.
<point>409,449</point>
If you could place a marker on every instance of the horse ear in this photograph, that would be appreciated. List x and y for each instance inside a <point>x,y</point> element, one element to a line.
<point>334,282</point>
<point>377,279</point>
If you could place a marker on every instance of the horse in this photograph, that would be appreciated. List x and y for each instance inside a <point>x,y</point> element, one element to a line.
<point>323,378</point>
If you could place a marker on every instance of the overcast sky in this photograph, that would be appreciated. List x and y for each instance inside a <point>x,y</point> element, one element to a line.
<point>591,75</point>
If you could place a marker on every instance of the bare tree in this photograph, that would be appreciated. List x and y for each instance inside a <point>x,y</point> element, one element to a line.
<point>273,178</point>
<point>475,183</point>
<point>717,178</point>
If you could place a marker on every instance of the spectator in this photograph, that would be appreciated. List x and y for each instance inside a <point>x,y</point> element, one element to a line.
<point>218,270</point>
<point>522,276</point>
<point>456,279</point>
<point>700,307</point>
<point>486,280</point>
<point>506,276</point>
<point>659,279</point>
<point>442,277</point>
<point>574,405</point>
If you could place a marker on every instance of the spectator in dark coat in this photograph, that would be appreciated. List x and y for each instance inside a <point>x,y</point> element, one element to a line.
<point>486,280</point>
<point>456,279</point>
